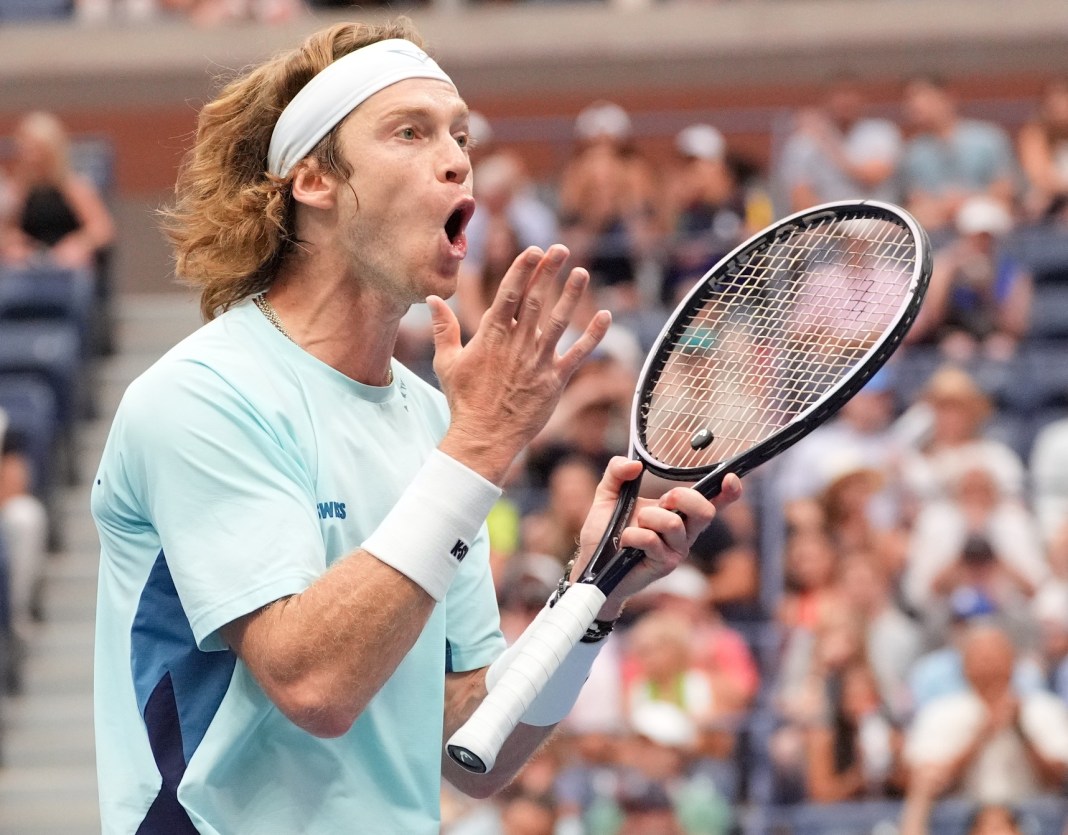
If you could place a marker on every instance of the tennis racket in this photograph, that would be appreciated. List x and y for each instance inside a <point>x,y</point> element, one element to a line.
<point>766,347</point>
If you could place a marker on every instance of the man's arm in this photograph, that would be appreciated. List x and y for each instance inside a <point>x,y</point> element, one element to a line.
<point>321,655</point>
<point>463,693</point>
<point>664,529</point>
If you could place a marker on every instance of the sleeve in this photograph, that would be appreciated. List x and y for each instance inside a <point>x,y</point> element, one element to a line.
<point>1045,720</point>
<point>230,502</point>
<point>472,621</point>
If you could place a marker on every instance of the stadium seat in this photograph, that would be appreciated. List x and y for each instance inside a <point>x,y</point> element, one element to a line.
<point>30,406</point>
<point>1045,252</point>
<point>1049,311</point>
<point>49,292</point>
<point>1040,378</point>
<point>50,351</point>
<point>16,11</point>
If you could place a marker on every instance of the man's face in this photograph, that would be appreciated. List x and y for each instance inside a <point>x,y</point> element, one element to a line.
<point>402,213</point>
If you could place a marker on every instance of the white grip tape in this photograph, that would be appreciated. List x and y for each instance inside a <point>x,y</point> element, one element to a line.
<point>475,746</point>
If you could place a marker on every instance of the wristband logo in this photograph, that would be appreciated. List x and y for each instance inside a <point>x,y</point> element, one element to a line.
<point>459,550</point>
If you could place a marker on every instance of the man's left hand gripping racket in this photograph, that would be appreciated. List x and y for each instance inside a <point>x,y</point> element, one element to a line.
<point>767,346</point>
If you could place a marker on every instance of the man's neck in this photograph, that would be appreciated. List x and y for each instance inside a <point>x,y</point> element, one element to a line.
<point>346,325</point>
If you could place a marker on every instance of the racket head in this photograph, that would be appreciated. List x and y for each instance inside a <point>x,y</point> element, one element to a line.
<point>776,337</point>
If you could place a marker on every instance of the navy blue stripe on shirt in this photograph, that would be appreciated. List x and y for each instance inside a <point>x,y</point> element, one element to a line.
<point>179,689</point>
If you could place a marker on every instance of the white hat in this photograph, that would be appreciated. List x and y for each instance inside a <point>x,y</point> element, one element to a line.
<point>686,581</point>
<point>479,128</point>
<point>983,214</point>
<point>603,118</point>
<point>664,723</point>
<point>701,142</point>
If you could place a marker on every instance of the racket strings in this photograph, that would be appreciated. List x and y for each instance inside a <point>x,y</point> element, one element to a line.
<point>768,340</point>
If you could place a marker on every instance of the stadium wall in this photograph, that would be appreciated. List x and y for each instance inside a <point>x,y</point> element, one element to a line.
<point>530,67</point>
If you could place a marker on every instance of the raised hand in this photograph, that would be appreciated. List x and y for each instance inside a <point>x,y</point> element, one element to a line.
<point>503,385</point>
<point>664,528</point>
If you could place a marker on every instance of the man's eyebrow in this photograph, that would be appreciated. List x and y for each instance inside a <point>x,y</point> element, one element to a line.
<point>418,111</point>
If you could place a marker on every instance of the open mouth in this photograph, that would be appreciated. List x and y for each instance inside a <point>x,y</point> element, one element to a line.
<point>457,221</point>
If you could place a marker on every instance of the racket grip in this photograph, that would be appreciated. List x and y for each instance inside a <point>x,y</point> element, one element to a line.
<point>477,743</point>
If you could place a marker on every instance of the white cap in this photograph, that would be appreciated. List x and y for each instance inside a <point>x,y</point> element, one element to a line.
<point>983,214</point>
<point>603,118</point>
<point>664,723</point>
<point>701,142</point>
<point>686,582</point>
<point>479,128</point>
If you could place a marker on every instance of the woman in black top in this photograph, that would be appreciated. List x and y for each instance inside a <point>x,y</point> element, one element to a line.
<point>52,211</point>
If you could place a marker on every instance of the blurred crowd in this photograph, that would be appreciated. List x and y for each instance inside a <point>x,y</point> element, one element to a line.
<point>884,616</point>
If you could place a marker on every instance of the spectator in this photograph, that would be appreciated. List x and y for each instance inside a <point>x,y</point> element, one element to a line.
<point>835,152</point>
<point>983,542</point>
<point>808,689</point>
<point>664,671</point>
<point>893,641</point>
<point>705,210</point>
<point>717,649</point>
<point>24,530</point>
<point>949,158</point>
<point>726,554</point>
<point>940,672</point>
<point>1048,466</point>
<point>590,420</point>
<point>861,433</point>
<point>659,791</point>
<point>979,300</point>
<point>926,783</point>
<point>55,213</point>
<point>854,752</point>
<point>510,218</point>
<point>847,500</point>
<point>608,197</point>
<point>554,528</point>
<point>958,410</point>
<point>995,746</point>
<point>1042,144</point>
<point>1050,611</point>
<point>811,569</point>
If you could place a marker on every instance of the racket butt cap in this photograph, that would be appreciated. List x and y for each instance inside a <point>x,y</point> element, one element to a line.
<point>466,759</point>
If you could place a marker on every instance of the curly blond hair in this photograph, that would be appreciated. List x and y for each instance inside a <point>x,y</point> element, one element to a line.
<point>232,222</point>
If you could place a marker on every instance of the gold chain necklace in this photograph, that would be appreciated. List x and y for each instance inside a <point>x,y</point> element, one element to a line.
<point>271,315</point>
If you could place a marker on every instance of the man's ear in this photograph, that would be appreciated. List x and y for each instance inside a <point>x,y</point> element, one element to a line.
<point>314,187</point>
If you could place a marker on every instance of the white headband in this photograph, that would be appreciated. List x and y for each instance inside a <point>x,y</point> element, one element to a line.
<point>337,90</point>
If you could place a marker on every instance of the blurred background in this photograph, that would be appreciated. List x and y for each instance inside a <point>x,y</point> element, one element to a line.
<point>875,639</point>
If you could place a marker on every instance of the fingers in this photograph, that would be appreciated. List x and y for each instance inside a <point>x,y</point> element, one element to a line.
<point>446,328</point>
<point>619,471</point>
<point>521,300</point>
<point>670,526</point>
<point>522,292</point>
<point>538,288</point>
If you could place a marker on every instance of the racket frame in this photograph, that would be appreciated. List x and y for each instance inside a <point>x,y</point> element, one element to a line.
<point>475,746</point>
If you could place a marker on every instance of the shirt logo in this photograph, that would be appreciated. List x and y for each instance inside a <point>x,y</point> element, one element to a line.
<point>459,550</point>
<point>331,510</point>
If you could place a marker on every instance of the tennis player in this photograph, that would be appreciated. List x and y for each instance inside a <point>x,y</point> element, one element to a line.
<point>295,601</point>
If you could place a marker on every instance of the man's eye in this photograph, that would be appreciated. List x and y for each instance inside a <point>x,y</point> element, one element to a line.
<point>407,133</point>
<point>463,140</point>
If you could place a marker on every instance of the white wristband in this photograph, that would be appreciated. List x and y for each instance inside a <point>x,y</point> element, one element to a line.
<point>431,527</point>
<point>556,699</point>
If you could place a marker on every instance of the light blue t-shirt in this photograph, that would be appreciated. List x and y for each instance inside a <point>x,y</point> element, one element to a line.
<point>237,470</point>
